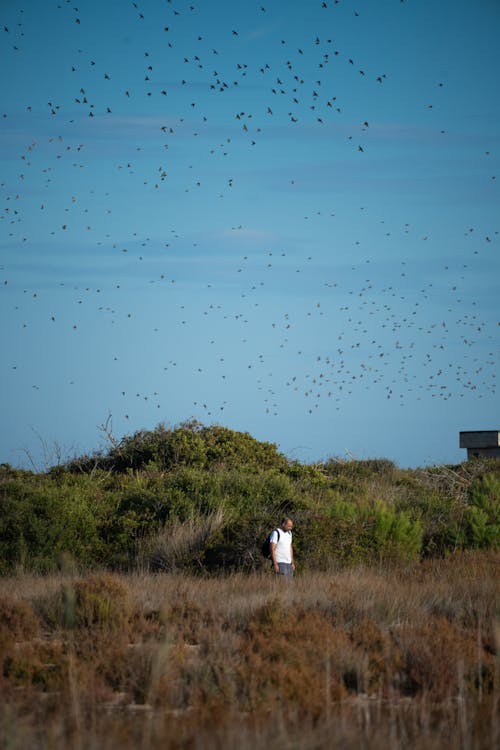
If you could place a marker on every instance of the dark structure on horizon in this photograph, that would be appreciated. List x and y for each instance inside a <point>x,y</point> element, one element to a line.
<point>481,443</point>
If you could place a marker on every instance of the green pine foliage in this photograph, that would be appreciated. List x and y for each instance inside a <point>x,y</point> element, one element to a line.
<point>203,499</point>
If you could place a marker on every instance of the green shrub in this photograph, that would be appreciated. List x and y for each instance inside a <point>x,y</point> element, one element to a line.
<point>161,448</point>
<point>41,523</point>
<point>190,444</point>
<point>483,514</point>
<point>393,536</point>
<point>236,449</point>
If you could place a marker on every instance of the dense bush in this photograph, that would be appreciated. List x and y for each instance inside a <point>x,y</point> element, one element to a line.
<point>191,444</point>
<point>483,517</point>
<point>149,498</point>
<point>41,520</point>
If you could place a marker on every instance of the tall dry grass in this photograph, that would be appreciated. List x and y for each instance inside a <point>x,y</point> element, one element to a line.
<point>376,658</point>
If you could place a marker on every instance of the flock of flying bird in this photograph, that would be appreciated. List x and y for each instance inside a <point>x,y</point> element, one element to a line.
<point>366,329</point>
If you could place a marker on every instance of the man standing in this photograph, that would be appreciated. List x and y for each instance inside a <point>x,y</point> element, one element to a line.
<point>282,548</point>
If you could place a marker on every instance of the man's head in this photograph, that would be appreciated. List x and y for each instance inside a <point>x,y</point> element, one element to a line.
<point>286,524</point>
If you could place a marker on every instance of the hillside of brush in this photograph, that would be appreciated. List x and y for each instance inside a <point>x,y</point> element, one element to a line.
<point>198,498</point>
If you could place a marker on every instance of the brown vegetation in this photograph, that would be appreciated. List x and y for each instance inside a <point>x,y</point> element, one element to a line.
<point>364,657</point>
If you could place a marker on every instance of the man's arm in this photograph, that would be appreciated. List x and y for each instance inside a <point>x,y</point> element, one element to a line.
<point>291,556</point>
<point>273,556</point>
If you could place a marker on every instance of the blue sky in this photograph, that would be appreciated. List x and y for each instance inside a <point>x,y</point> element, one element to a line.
<point>278,217</point>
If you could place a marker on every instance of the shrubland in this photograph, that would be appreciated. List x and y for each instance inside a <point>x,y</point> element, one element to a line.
<point>202,499</point>
<point>384,656</point>
<point>137,611</point>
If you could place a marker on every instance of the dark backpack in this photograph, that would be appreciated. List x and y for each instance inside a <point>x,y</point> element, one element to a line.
<point>266,547</point>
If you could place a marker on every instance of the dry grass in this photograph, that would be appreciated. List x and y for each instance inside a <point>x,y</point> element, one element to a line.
<point>180,543</point>
<point>391,657</point>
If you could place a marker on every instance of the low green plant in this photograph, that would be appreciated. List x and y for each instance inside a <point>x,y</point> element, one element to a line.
<point>483,514</point>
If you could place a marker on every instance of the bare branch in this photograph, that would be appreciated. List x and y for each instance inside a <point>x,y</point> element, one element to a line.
<point>106,429</point>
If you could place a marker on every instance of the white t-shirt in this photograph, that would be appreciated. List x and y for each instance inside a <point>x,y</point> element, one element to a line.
<point>283,544</point>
